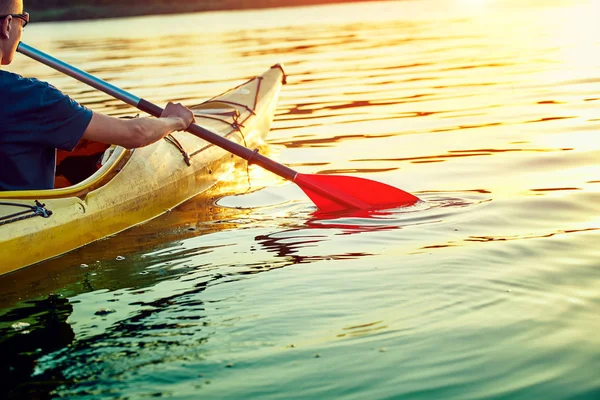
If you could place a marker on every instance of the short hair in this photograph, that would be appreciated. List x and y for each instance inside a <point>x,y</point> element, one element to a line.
<point>7,6</point>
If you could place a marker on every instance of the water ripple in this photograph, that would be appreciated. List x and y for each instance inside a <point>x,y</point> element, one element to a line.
<point>486,289</point>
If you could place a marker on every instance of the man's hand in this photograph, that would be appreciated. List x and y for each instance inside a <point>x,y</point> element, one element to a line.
<point>176,110</point>
<point>138,132</point>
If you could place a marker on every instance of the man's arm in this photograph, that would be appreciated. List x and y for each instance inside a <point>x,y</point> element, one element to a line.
<point>138,132</point>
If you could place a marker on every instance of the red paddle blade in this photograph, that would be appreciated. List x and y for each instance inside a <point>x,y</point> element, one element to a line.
<point>338,192</point>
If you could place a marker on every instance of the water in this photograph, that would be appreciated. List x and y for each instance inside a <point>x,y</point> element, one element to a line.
<point>487,289</point>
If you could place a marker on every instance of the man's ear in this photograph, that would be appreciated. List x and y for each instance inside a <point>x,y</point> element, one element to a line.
<point>5,27</point>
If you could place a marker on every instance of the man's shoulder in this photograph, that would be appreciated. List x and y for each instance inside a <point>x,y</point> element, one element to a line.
<point>10,81</point>
<point>24,94</point>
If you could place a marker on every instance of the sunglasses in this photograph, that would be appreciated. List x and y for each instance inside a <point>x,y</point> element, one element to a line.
<point>24,17</point>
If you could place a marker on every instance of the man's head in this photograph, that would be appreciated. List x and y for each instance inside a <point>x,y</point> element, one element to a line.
<point>11,28</point>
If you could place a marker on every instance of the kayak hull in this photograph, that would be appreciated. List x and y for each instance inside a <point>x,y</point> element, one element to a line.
<point>138,185</point>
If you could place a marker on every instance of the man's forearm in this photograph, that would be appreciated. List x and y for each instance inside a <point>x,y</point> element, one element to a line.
<point>149,130</point>
<point>137,132</point>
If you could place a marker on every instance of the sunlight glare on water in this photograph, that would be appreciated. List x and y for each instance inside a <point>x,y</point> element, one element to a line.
<point>488,288</point>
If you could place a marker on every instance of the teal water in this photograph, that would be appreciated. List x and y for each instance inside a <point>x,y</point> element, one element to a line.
<point>487,289</point>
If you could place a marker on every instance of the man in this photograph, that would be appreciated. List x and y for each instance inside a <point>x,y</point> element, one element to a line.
<point>36,118</point>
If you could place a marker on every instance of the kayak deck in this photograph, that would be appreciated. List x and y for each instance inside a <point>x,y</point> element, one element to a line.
<point>134,186</point>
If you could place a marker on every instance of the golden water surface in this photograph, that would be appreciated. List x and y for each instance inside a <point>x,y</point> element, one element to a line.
<point>487,289</point>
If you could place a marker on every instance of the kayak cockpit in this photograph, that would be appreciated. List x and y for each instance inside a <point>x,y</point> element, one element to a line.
<point>89,166</point>
<point>73,167</point>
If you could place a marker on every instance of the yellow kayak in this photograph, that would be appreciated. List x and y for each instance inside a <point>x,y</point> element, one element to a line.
<point>125,188</point>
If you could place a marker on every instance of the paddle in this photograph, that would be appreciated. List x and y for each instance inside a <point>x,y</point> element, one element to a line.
<point>328,192</point>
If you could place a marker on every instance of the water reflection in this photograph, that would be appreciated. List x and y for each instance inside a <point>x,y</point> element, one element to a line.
<point>497,267</point>
<point>287,244</point>
<point>125,260</point>
<point>463,153</point>
<point>35,329</point>
<point>521,237</point>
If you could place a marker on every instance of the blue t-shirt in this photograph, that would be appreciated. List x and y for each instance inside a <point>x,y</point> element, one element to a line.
<point>35,120</point>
